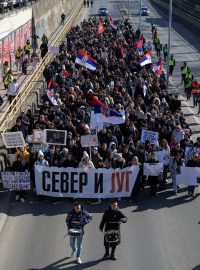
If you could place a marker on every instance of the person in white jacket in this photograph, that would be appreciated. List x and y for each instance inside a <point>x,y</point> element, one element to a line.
<point>85,161</point>
<point>13,89</point>
<point>175,164</point>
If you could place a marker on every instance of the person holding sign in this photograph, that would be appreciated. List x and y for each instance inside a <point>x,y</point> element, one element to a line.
<point>110,223</point>
<point>175,165</point>
<point>153,180</point>
<point>76,220</point>
<point>194,162</point>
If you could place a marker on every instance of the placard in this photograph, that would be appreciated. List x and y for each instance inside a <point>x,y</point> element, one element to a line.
<point>38,136</point>
<point>13,139</point>
<point>16,180</point>
<point>189,151</point>
<point>188,176</point>
<point>152,136</point>
<point>85,182</point>
<point>89,140</point>
<point>56,137</point>
<point>152,169</point>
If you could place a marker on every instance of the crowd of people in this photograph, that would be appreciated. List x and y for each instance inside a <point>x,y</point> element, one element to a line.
<point>118,83</point>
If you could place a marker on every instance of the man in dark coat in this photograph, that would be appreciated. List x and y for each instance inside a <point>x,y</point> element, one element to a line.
<point>111,220</point>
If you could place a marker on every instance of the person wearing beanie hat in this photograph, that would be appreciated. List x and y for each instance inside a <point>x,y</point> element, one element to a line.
<point>85,161</point>
<point>41,160</point>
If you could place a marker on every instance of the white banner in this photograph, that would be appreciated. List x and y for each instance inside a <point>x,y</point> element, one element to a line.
<point>13,139</point>
<point>188,176</point>
<point>85,182</point>
<point>89,140</point>
<point>149,135</point>
<point>16,180</point>
<point>153,169</point>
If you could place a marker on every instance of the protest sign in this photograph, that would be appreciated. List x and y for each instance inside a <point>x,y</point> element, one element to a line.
<point>53,136</point>
<point>54,49</point>
<point>89,140</point>
<point>85,182</point>
<point>16,180</point>
<point>188,176</point>
<point>163,157</point>
<point>149,135</point>
<point>152,169</point>
<point>189,151</point>
<point>38,136</point>
<point>13,139</point>
<point>37,147</point>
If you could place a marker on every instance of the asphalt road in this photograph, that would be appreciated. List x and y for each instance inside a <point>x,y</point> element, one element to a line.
<point>161,234</point>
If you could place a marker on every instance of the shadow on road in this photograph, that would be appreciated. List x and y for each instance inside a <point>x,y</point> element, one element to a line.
<point>196,268</point>
<point>68,265</point>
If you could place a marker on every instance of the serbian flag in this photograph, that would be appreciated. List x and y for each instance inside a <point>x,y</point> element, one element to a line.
<point>100,28</point>
<point>51,84</point>
<point>65,73</point>
<point>108,116</point>
<point>139,44</point>
<point>83,59</point>
<point>112,23</point>
<point>121,50</point>
<point>158,67</point>
<point>145,59</point>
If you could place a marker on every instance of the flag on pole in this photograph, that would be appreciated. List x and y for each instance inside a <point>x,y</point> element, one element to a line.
<point>112,23</point>
<point>85,60</point>
<point>100,28</point>
<point>158,67</point>
<point>139,44</point>
<point>145,59</point>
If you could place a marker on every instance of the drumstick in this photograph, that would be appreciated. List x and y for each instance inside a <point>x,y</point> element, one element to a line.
<point>113,222</point>
<point>75,222</point>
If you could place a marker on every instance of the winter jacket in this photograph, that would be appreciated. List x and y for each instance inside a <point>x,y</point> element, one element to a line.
<point>78,220</point>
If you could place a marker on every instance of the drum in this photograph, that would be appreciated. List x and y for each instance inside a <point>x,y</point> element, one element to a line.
<point>111,236</point>
<point>75,232</point>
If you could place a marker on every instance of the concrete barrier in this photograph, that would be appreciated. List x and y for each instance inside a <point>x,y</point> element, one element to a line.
<point>47,15</point>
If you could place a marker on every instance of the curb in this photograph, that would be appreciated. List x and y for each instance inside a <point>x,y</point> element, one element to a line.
<point>4,209</point>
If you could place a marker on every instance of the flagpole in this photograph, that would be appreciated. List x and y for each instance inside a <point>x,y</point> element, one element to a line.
<point>128,9</point>
<point>140,15</point>
<point>169,39</point>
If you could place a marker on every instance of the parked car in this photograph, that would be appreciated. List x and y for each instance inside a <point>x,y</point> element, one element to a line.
<point>103,11</point>
<point>144,11</point>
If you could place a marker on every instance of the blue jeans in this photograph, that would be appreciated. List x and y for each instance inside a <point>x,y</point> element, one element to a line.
<point>76,244</point>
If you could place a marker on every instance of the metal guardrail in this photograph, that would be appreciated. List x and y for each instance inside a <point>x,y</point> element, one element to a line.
<point>20,102</point>
<point>185,15</point>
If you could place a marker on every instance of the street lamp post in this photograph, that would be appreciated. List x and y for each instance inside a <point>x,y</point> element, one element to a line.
<point>128,9</point>
<point>169,38</point>
<point>140,15</point>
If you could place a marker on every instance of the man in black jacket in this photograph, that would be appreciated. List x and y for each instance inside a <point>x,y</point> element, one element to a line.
<point>194,162</point>
<point>111,220</point>
<point>76,220</point>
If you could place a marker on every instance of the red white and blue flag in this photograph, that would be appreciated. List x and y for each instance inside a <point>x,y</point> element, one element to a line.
<point>145,59</point>
<point>105,115</point>
<point>112,23</point>
<point>158,67</point>
<point>85,60</point>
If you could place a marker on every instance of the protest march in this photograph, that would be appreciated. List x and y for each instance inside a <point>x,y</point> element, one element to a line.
<point>108,127</point>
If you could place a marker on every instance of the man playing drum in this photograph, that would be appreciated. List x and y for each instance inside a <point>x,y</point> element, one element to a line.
<point>111,220</point>
<point>76,220</point>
